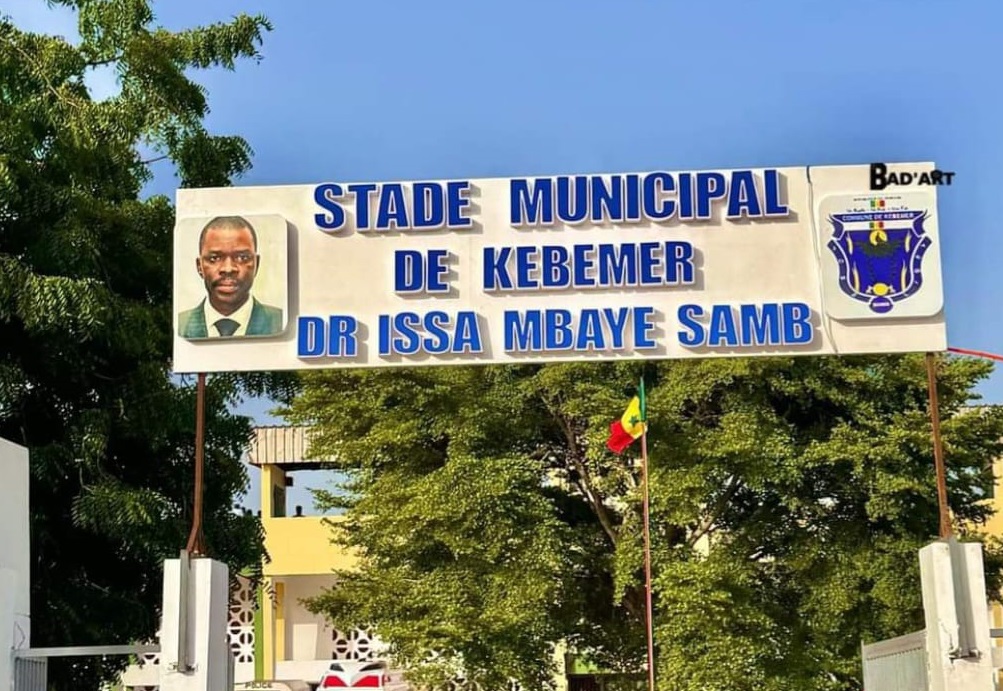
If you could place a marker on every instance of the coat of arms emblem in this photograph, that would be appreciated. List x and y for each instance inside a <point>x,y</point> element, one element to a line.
<point>879,252</point>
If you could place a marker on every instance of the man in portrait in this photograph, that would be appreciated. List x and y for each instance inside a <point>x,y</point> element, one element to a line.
<point>228,262</point>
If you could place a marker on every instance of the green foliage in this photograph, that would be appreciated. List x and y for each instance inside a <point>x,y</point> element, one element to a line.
<point>85,318</point>
<point>789,497</point>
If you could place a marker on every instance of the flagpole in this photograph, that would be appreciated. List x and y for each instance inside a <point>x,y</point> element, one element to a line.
<point>647,562</point>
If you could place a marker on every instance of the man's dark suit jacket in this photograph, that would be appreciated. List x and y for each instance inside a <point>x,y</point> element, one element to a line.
<point>265,320</point>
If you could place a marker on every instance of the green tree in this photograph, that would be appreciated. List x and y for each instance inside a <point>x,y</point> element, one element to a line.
<point>85,318</point>
<point>789,497</point>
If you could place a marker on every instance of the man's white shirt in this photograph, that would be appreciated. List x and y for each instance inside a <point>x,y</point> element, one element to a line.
<point>242,316</point>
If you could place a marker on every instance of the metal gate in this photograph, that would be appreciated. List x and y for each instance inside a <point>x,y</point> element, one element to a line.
<point>31,665</point>
<point>30,674</point>
<point>898,664</point>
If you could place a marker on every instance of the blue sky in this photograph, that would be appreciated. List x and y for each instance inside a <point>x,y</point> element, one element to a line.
<point>450,89</point>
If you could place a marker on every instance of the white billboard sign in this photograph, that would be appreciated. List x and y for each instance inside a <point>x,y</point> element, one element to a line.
<point>798,261</point>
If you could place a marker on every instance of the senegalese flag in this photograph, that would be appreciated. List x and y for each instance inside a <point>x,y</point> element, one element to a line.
<point>631,424</point>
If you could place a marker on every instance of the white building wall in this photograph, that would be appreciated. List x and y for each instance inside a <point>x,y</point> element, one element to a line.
<point>308,636</point>
<point>15,541</point>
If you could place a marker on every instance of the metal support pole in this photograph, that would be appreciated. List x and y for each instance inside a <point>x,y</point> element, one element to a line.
<point>196,541</point>
<point>196,544</point>
<point>946,530</point>
<point>183,664</point>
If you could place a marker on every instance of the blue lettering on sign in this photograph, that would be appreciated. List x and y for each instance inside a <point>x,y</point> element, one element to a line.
<point>392,212</point>
<point>362,194</point>
<point>727,326</point>
<point>710,186</point>
<point>655,196</point>
<point>656,207</point>
<point>797,327</point>
<point>310,337</point>
<point>554,272</point>
<point>591,329</point>
<point>557,334</point>
<point>334,338</point>
<point>435,333</point>
<point>642,326</point>
<point>572,199</point>
<point>429,205</point>
<point>633,210</point>
<point>532,202</point>
<point>608,265</point>
<point>333,216</point>
<point>496,275</point>
<point>456,201</point>
<point>417,272</point>
<point>607,201</point>
<point>583,262</point>
<point>398,206</point>
<point>774,207</point>
<point>743,202</point>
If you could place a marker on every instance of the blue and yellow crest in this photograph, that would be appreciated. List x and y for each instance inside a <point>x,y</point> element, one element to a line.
<point>880,254</point>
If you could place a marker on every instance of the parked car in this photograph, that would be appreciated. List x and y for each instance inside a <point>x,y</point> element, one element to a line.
<point>352,674</point>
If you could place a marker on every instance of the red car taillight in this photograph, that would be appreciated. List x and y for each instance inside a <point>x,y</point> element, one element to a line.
<point>371,681</point>
<point>332,682</point>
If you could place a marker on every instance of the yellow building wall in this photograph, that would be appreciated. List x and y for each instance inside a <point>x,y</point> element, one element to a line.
<point>994,526</point>
<point>302,547</point>
<point>272,479</point>
<point>269,609</point>
<point>296,545</point>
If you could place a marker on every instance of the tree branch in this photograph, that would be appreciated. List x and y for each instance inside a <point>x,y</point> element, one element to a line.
<point>41,74</point>
<point>154,160</point>
<point>585,481</point>
<point>719,506</point>
<point>99,63</point>
<point>634,603</point>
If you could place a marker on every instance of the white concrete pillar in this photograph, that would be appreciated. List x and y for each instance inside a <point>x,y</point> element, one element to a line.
<point>208,651</point>
<point>15,537</point>
<point>957,617</point>
<point>8,597</point>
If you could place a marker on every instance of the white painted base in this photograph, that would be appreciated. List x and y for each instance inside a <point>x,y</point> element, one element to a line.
<point>208,649</point>
<point>957,618</point>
